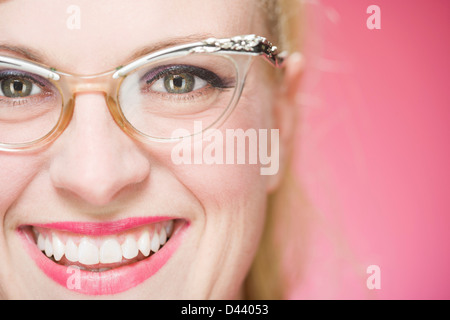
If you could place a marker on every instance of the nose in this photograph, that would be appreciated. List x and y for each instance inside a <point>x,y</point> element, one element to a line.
<point>94,159</point>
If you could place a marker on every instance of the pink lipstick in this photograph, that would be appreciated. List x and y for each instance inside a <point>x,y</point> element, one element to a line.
<point>103,258</point>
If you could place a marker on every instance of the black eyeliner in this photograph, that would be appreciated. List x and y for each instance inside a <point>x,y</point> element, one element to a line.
<point>10,74</point>
<point>204,74</point>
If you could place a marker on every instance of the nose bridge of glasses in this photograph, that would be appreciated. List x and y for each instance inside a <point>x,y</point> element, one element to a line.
<point>98,83</point>
<point>103,84</point>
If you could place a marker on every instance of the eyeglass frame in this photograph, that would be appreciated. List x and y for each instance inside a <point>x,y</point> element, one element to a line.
<point>248,45</point>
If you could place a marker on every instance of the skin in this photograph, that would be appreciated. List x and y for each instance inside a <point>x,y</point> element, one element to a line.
<point>95,172</point>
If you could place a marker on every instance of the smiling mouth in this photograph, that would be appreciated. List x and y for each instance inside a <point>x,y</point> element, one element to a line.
<point>102,253</point>
<point>111,257</point>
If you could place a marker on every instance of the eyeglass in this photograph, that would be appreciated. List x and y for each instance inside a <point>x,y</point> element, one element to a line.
<point>150,98</point>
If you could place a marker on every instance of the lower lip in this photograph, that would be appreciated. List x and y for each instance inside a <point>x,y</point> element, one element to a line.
<point>108,282</point>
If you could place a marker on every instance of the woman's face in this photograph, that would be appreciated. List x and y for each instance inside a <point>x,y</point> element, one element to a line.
<point>96,188</point>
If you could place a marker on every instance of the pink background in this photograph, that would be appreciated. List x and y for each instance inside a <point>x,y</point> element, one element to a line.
<point>373,152</point>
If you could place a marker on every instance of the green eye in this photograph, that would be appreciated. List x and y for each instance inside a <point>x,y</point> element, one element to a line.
<point>181,79</point>
<point>179,83</point>
<point>17,87</point>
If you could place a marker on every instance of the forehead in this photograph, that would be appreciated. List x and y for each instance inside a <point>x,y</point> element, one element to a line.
<point>94,36</point>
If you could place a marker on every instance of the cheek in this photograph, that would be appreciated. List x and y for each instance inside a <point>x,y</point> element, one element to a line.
<point>223,185</point>
<point>223,178</point>
<point>228,187</point>
<point>16,172</point>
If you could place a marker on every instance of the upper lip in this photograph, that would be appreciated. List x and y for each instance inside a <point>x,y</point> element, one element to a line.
<point>102,228</point>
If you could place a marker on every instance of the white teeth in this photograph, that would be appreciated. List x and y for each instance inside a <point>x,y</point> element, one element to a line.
<point>41,242</point>
<point>110,251</point>
<point>58,248</point>
<point>92,251</point>
<point>129,248</point>
<point>87,252</point>
<point>169,227</point>
<point>155,242</point>
<point>162,236</point>
<point>144,243</point>
<point>48,248</point>
<point>71,251</point>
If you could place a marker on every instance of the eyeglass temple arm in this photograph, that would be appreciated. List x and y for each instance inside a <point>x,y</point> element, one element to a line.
<point>247,43</point>
<point>30,67</point>
<point>251,44</point>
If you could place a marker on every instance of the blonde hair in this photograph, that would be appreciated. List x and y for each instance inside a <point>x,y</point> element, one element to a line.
<point>285,208</point>
<point>284,21</point>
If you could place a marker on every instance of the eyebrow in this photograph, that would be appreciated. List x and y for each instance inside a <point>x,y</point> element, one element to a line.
<point>39,57</point>
<point>26,52</point>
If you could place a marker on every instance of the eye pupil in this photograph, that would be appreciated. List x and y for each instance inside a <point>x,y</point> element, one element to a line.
<point>18,86</point>
<point>178,81</point>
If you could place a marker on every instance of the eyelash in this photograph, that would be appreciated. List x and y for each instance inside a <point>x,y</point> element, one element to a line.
<point>7,74</point>
<point>210,77</point>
